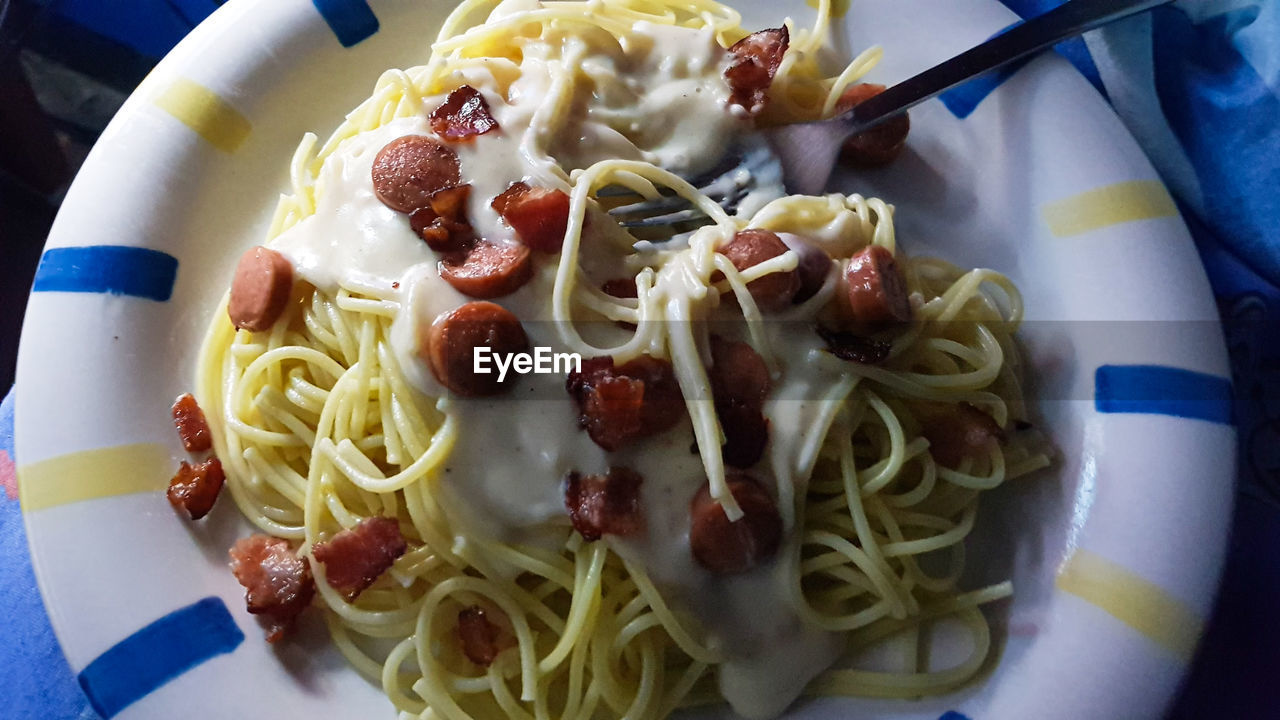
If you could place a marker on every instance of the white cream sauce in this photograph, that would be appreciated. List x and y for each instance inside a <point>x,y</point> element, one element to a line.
<point>659,97</point>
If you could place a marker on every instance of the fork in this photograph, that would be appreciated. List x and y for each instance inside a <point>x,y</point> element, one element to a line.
<point>805,153</point>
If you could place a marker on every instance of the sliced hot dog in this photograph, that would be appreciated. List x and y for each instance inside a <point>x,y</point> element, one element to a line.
<point>739,384</point>
<point>260,290</point>
<point>407,170</point>
<point>727,548</point>
<point>737,372</point>
<point>960,431</point>
<point>539,215</point>
<point>449,346</point>
<point>812,269</point>
<point>877,290</point>
<point>463,115</point>
<point>880,144</point>
<point>488,269</point>
<point>755,60</point>
<point>753,246</point>
<point>621,287</point>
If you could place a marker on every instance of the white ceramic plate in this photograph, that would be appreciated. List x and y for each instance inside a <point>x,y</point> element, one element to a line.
<point>1114,556</point>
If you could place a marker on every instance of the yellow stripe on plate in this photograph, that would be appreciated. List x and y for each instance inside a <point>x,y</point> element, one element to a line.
<point>200,109</point>
<point>1109,205</point>
<point>91,474</point>
<point>1136,602</point>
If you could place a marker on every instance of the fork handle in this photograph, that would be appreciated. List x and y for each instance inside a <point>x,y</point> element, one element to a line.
<point>1067,20</point>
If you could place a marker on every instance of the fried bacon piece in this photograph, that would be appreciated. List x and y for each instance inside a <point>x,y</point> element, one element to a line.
<point>195,488</point>
<point>755,60</point>
<point>739,384</point>
<point>854,348</point>
<point>604,504</point>
<point>959,432</point>
<point>539,215</point>
<point>621,404</point>
<point>463,115</point>
<point>278,584</point>
<point>356,557</point>
<point>442,223</point>
<point>191,424</point>
<point>880,144</point>
<point>478,636</point>
<point>728,548</point>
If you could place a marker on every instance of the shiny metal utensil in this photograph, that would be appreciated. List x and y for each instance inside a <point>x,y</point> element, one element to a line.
<point>807,152</point>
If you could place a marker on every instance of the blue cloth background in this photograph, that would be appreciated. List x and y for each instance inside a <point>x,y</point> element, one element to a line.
<point>1198,84</point>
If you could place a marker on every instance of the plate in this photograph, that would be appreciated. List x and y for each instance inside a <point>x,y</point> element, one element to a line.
<point>1114,556</point>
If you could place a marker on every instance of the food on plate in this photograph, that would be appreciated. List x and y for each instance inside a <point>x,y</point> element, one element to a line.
<point>760,455</point>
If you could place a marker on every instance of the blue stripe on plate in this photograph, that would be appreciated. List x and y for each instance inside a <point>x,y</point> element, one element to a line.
<point>114,269</point>
<point>962,100</point>
<point>1158,390</point>
<point>156,654</point>
<point>351,20</point>
<point>953,715</point>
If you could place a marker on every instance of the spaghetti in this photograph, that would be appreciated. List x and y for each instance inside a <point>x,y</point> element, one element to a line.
<point>329,417</point>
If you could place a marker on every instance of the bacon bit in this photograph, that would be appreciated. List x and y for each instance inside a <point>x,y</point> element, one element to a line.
<point>395,285</point>
<point>278,584</point>
<point>625,403</point>
<point>191,424</point>
<point>854,348</point>
<point>739,384</point>
<point>604,504</point>
<point>195,487</point>
<point>959,432</point>
<point>878,145</point>
<point>353,559</point>
<point>756,59</point>
<point>463,115</point>
<point>478,636</point>
<point>621,288</point>
<point>442,222</point>
<point>539,215</point>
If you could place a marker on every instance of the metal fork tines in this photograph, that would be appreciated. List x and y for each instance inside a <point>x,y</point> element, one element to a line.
<point>750,167</point>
